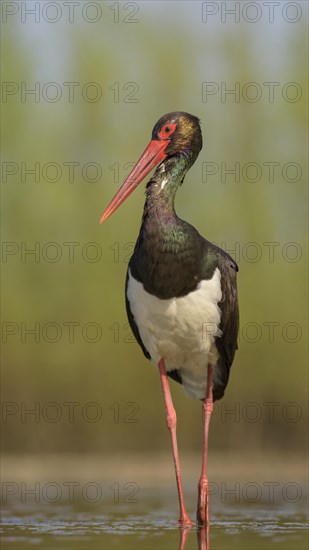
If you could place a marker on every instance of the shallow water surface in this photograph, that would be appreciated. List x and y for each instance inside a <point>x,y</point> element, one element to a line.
<point>150,523</point>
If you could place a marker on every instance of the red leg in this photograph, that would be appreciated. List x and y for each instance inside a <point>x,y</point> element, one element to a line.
<point>171,421</point>
<point>203,496</point>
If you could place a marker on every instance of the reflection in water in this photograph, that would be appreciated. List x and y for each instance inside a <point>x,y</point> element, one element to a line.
<point>202,537</point>
<point>184,532</point>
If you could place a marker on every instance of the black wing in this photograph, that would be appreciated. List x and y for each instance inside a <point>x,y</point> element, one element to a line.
<point>227,342</point>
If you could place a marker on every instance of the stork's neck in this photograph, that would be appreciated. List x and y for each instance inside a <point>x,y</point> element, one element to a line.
<point>161,190</point>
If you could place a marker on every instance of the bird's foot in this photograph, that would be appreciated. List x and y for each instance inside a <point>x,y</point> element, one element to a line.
<point>185,520</point>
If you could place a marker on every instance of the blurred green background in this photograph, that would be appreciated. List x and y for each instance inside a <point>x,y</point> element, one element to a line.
<point>102,80</point>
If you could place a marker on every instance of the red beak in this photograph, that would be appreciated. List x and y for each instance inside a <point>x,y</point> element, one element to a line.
<point>153,154</point>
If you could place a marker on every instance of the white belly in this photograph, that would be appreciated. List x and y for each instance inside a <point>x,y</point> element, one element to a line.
<point>182,330</point>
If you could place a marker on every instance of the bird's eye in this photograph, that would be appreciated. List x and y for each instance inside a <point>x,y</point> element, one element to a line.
<point>167,130</point>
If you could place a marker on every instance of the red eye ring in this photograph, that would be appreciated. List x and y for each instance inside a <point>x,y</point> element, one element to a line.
<point>167,130</point>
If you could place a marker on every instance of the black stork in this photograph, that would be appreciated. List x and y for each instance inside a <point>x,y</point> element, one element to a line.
<point>181,294</point>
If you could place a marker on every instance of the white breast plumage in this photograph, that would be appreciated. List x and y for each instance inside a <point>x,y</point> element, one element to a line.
<point>180,330</point>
